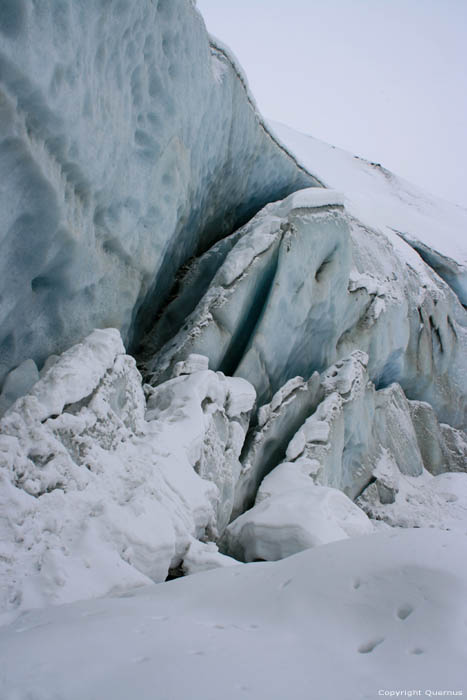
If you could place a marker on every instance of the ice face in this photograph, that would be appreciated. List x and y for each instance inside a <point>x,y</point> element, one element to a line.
<point>304,284</point>
<point>381,200</point>
<point>128,143</point>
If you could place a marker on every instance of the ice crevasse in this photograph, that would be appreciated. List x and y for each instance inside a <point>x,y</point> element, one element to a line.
<point>208,355</point>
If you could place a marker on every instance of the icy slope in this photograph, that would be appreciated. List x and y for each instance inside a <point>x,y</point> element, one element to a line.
<point>127,144</point>
<point>339,622</point>
<point>381,200</point>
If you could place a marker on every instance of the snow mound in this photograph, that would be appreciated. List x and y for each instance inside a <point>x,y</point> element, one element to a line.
<point>424,501</point>
<point>292,514</point>
<point>101,490</point>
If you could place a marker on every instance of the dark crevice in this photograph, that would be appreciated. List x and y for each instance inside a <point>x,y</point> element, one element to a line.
<point>192,281</point>
<point>436,334</point>
<point>324,265</point>
<point>246,328</point>
<point>175,572</point>
<point>370,481</point>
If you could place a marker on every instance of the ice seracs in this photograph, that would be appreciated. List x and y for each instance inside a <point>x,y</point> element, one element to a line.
<point>381,200</point>
<point>304,284</point>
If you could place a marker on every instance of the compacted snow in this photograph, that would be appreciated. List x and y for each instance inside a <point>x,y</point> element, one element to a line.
<point>343,621</point>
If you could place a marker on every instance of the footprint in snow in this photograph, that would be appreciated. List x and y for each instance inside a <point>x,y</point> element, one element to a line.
<point>369,646</point>
<point>404,611</point>
<point>286,583</point>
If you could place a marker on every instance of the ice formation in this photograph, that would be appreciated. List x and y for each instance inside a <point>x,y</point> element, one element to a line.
<point>128,144</point>
<point>297,324</point>
<point>102,490</point>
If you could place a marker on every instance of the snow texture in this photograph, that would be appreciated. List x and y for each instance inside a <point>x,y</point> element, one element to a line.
<point>101,490</point>
<point>424,501</point>
<point>128,143</point>
<point>337,622</point>
<point>292,514</point>
<point>354,439</point>
<point>297,361</point>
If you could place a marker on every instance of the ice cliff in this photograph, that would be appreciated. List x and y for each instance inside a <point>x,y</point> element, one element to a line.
<point>207,354</point>
<point>128,144</point>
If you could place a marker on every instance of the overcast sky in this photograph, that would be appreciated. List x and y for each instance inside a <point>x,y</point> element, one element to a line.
<point>384,79</point>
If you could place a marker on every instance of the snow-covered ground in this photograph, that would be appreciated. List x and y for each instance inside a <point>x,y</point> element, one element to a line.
<point>350,620</point>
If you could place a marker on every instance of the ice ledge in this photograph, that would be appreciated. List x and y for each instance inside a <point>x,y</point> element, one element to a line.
<point>310,198</point>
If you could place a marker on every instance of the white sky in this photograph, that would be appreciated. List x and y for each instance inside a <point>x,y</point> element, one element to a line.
<point>384,79</point>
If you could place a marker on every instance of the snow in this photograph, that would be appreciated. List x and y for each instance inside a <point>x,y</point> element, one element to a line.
<point>101,490</point>
<point>385,202</point>
<point>423,501</point>
<point>292,514</point>
<point>315,355</point>
<point>342,621</point>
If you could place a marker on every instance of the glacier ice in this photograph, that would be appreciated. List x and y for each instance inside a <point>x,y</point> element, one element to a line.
<point>346,426</point>
<point>332,286</point>
<point>442,447</point>
<point>407,215</point>
<point>301,347</point>
<point>128,144</point>
<point>356,442</point>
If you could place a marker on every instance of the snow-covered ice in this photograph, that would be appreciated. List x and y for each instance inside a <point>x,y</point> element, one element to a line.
<point>388,203</point>
<point>102,490</point>
<point>292,514</point>
<point>332,286</point>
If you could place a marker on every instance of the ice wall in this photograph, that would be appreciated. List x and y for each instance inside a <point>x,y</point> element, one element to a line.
<point>303,285</point>
<point>128,142</point>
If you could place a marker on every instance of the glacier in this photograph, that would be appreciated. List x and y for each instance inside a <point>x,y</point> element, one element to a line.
<point>122,155</point>
<point>221,342</point>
